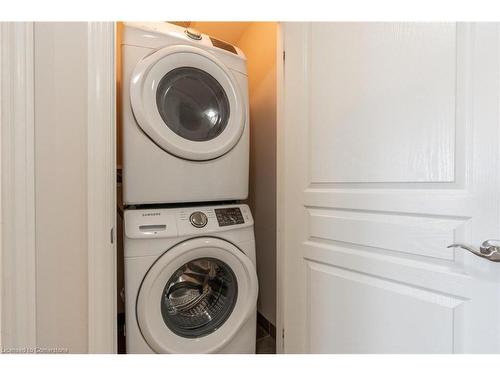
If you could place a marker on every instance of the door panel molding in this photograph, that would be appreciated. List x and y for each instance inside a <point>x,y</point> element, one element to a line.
<point>432,160</point>
<point>416,272</point>
<point>454,203</point>
<point>419,235</point>
<point>387,308</point>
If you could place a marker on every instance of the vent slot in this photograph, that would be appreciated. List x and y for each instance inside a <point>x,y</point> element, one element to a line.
<point>223,45</point>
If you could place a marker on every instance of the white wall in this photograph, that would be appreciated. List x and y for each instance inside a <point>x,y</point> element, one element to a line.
<point>61,184</point>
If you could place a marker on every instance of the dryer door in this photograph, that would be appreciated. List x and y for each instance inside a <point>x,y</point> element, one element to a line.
<point>188,102</point>
<point>196,296</point>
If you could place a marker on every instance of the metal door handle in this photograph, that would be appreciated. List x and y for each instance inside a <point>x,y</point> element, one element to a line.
<point>490,249</point>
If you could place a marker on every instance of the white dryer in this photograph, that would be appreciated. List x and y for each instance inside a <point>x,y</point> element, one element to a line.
<point>190,280</point>
<point>184,115</point>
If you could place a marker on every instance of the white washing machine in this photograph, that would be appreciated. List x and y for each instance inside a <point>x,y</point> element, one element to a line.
<point>190,280</point>
<point>185,116</point>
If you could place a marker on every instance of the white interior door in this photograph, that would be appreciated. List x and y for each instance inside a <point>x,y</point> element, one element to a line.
<point>390,154</point>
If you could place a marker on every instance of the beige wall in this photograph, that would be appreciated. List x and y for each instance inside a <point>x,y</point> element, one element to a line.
<point>258,41</point>
<point>230,32</point>
<point>61,184</point>
<point>118,67</point>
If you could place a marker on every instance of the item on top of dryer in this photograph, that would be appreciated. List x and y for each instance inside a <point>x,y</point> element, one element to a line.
<point>185,117</point>
<point>190,289</point>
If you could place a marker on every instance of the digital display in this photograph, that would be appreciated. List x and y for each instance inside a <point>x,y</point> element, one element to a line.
<point>229,216</point>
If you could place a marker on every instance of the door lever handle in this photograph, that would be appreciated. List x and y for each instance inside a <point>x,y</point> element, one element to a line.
<point>490,249</point>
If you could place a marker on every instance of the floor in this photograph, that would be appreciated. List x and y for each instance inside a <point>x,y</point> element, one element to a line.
<point>266,344</point>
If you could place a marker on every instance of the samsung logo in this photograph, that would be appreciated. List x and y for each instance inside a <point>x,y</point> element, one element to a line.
<point>151,214</point>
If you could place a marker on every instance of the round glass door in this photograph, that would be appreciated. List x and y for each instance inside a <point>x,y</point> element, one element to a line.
<point>196,296</point>
<point>188,102</point>
<point>199,297</point>
<point>192,104</point>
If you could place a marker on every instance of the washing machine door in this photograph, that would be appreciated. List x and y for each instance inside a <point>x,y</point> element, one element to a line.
<point>196,296</point>
<point>188,102</point>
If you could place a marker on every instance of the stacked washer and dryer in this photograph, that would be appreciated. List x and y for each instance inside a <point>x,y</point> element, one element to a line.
<point>190,278</point>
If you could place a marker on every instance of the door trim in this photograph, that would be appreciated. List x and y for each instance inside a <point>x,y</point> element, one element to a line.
<point>280,189</point>
<point>17,228</point>
<point>17,245</point>
<point>101,189</point>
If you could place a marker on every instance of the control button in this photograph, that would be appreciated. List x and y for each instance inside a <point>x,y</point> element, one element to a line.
<point>198,219</point>
<point>193,34</point>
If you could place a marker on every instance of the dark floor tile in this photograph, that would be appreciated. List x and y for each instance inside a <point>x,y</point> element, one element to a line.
<point>267,345</point>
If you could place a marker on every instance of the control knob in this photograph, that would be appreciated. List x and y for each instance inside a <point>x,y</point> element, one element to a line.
<point>193,34</point>
<point>198,219</point>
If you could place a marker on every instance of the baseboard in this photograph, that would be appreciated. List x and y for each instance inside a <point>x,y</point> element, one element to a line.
<point>121,345</point>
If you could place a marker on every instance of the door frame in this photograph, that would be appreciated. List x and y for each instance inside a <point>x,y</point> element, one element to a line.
<point>280,188</point>
<point>17,153</point>
<point>101,188</point>
<point>17,203</point>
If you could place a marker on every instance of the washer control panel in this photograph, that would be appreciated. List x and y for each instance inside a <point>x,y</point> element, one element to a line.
<point>198,219</point>
<point>229,216</point>
<point>185,221</point>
